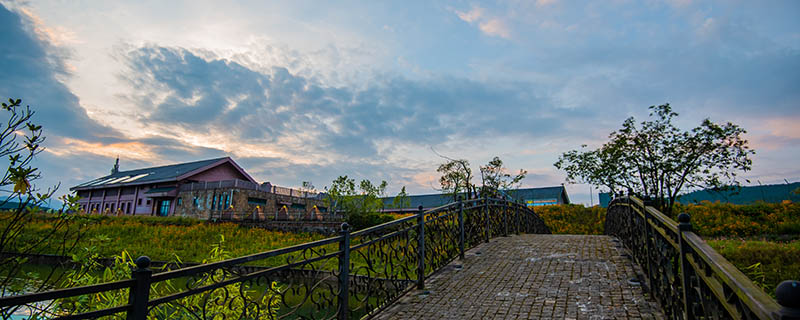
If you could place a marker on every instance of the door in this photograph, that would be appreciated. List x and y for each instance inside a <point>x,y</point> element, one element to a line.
<point>163,208</point>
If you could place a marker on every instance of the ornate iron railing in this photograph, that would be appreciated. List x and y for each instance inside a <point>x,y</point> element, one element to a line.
<point>353,275</point>
<point>688,278</point>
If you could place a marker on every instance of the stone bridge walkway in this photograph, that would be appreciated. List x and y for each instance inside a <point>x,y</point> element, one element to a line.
<point>533,277</point>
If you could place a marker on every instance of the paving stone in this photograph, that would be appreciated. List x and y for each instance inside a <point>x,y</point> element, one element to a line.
<point>533,277</point>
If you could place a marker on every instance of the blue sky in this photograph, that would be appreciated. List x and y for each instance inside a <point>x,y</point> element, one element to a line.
<point>303,90</point>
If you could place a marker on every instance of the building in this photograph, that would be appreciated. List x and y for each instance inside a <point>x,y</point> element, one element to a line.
<point>771,193</point>
<point>207,189</point>
<point>531,197</point>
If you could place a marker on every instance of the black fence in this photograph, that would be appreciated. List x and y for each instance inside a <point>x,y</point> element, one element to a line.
<point>352,275</point>
<point>688,278</point>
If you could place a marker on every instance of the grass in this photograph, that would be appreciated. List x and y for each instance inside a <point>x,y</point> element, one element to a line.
<point>767,263</point>
<point>163,238</point>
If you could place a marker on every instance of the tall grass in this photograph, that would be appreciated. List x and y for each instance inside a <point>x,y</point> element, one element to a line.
<point>162,238</point>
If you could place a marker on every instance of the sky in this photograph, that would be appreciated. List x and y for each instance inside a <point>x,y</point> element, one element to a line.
<point>307,91</point>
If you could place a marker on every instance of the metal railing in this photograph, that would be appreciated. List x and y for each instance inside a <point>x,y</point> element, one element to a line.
<point>353,275</point>
<point>242,184</point>
<point>688,278</point>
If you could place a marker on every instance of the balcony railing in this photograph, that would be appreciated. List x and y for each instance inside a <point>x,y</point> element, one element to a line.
<point>242,184</point>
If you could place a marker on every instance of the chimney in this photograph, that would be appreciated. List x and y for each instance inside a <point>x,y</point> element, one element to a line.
<point>115,169</point>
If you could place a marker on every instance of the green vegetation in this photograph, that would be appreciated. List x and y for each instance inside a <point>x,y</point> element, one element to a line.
<point>360,207</point>
<point>767,263</point>
<point>573,219</point>
<point>772,220</point>
<point>658,160</point>
<point>91,272</point>
<point>160,238</point>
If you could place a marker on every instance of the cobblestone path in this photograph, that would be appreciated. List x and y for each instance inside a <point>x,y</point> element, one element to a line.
<point>533,277</point>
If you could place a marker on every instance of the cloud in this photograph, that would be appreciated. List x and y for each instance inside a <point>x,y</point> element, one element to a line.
<point>291,112</point>
<point>470,16</point>
<point>32,67</point>
<point>544,3</point>
<point>495,27</point>
<point>285,126</point>
<point>491,26</point>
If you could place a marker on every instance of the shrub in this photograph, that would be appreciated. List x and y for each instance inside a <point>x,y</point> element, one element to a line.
<point>363,221</point>
<point>573,219</point>
<point>731,220</point>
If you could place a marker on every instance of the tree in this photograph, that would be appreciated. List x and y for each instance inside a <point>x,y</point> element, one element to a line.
<point>360,207</point>
<point>401,200</point>
<point>456,178</point>
<point>658,160</point>
<point>20,142</point>
<point>497,181</point>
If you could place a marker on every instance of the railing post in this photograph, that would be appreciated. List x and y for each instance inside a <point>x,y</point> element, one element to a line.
<point>461,228</point>
<point>139,294</point>
<point>684,225</point>
<point>344,273</point>
<point>516,218</point>
<point>505,218</point>
<point>648,233</point>
<point>421,249</point>
<point>486,215</point>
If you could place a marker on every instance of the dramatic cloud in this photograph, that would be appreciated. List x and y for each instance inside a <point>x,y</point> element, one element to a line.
<point>296,92</point>
<point>292,112</point>
<point>31,70</point>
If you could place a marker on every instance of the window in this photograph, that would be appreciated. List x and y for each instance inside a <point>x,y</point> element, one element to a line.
<point>163,209</point>
<point>179,202</point>
<point>213,202</point>
<point>257,201</point>
<point>128,208</point>
<point>112,207</point>
<point>196,202</point>
<point>140,202</point>
<point>227,202</point>
<point>148,202</point>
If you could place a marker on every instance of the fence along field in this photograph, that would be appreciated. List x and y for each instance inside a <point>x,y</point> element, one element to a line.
<point>353,274</point>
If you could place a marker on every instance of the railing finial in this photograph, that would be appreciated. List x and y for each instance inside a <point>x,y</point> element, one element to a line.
<point>143,262</point>
<point>788,296</point>
<point>684,222</point>
<point>345,226</point>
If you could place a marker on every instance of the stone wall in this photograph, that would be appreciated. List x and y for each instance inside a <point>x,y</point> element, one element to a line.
<point>248,204</point>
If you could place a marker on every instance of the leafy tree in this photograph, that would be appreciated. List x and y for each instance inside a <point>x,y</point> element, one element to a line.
<point>456,178</point>
<point>20,143</point>
<point>308,187</point>
<point>658,160</point>
<point>361,208</point>
<point>497,181</point>
<point>401,200</point>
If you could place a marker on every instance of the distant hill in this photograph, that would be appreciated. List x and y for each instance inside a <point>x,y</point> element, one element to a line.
<point>745,195</point>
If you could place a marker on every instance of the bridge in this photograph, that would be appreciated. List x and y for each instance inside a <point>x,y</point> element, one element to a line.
<point>480,258</point>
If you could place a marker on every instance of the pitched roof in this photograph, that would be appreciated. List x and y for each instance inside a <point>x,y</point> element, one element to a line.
<point>774,193</point>
<point>171,172</point>
<point>540,193</point>
<point>435,200</point>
